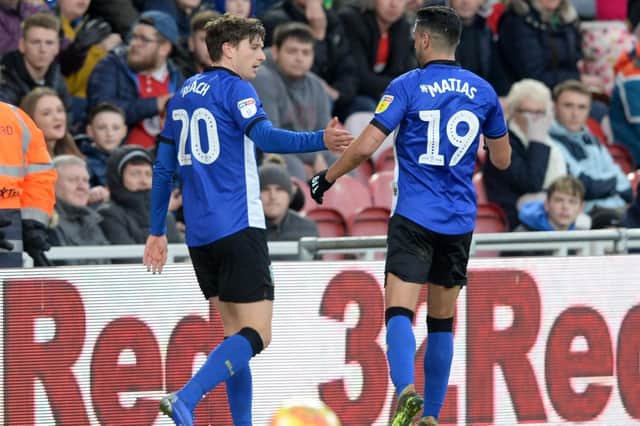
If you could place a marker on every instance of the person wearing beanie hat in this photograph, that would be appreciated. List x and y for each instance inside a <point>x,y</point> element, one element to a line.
<point>140,78</point>
<point>126,215</point>
<point>283,224</point>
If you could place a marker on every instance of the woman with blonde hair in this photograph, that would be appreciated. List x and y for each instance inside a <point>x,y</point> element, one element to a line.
<point>535,160</point>
<point>46,109</point>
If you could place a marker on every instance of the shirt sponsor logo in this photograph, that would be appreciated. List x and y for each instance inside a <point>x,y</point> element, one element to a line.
<point>248,107</point>
<point>384,103</point>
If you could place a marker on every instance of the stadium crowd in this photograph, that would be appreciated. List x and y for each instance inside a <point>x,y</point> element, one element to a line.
<point>96,76</point>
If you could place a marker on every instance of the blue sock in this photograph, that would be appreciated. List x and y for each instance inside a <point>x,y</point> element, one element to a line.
<point>239,395</point>
<point>401,351</point>
<point>437,365</point>
<point>230,357</point>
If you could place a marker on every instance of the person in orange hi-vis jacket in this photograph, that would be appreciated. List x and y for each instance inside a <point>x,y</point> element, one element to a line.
<point>27,196</point>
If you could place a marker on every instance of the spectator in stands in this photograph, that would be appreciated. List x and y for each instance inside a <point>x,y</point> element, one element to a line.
<point>74,223</point>
<point>283,224</point>
<point>45,107</point>
<point>292,96</point>
<point>12,13</point>
<point>333,59</point>
<point>606,185</point>
<point>535,160</point>
<point>33,64</point>
<point>107,130</point>
<point>140,79</point>
<point>380,41</point>
<point>540,40</point>
<point>86,41</point>
<point>478,50</point>
<point>197,56</point>
<point>126,215</point>
<point>180,10</point>
<point>631,218</point>
<point>559,210</point>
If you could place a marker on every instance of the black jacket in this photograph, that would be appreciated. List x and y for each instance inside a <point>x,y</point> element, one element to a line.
<point>333,60</point>
<point>363,37</point>
<point>15,80</point>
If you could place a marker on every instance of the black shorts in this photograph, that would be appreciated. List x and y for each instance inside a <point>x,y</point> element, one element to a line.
<point>418,255</point>
<point>236,268</point>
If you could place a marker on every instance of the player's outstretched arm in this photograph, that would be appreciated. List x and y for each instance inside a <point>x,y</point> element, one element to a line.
<point>499,151</point>
<point>155,253</point>
<point>336,138</point>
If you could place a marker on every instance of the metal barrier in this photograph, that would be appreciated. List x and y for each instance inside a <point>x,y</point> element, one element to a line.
<point>557,243</point>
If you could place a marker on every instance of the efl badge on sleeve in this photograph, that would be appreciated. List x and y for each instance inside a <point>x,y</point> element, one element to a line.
<point>247,107</point>
<point>384,103</point>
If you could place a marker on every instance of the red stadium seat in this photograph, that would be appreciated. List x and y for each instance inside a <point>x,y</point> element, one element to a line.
<point>363,172</point>
<point>491,218</point>
<point>347,195</point>
<point>381,188</point>
<point>596,128</point>
<point>386,160</point>
<point>481,192</point>
<point>330,222</point>
<point>370,221</point>
<point>622,156</point>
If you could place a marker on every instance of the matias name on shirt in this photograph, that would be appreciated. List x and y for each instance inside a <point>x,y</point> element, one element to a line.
<point>449,85</point>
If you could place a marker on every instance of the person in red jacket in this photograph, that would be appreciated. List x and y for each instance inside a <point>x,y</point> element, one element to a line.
<point>27,180</point>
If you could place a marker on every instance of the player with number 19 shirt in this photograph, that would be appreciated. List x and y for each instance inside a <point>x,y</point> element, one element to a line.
<point>452,107</point>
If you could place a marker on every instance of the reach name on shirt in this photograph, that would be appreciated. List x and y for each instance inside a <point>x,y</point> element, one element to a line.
<point>449,85</point>
<point>199,88</point>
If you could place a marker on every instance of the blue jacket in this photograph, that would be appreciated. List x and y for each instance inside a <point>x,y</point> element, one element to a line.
<point>534,217</point>
<point>604,182</point>
<point>96,164</point>
<point>113,81</point>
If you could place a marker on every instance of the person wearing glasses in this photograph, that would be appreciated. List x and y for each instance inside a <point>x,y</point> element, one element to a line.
<point>535,160</point>
<point>139,78</point>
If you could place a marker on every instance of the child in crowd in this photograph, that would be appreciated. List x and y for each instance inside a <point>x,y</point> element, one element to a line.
<point>558,212</point>
<point>107,129</point>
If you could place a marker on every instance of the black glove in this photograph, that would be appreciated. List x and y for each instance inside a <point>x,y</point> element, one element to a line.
<point>319,185</point>
<point>92,32</point>
<point>3,242</point>
<point>34,238</point>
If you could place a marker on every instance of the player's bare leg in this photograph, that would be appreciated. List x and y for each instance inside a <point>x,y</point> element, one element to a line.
<point>401,298</point>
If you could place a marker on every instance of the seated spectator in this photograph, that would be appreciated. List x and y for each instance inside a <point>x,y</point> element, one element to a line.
<point>333,58</point>
<point>606,185</point>
<point>126,215</point>
<point>559,210</point>
<point>380,41</point>
<point>74,223</point>
<point>140,79</point>
<point>283,224</point>
<point>86,41</point>
<point>194,57</point>
<point>477,50</point>
<point>107,130</point>
<point>45,107</point>
<point>12,14</point>
<point>631,218</point>
<point>34,63</point>
<point>535,160</point>
<point>292,96</point>
<point>624,108</point>
<point>540,40</point>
